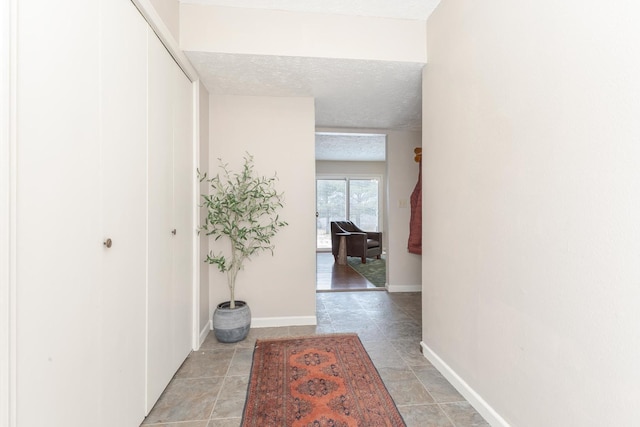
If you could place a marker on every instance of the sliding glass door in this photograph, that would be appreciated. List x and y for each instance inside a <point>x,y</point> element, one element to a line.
<point>331,205</point>
<point>363,203</point>
<point>338,199</point>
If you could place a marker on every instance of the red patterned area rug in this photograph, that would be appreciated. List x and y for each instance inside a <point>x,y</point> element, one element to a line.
<point>316,381</point>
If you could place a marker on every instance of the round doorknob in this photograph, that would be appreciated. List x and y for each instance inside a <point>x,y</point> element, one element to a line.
<point>173,231</point>
<point>107,243</point>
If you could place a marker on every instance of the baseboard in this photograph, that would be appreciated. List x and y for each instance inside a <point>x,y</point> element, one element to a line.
<point>274,322</point>
<point>489,414</point>
<point>204,332</point>
<point>404,288</point>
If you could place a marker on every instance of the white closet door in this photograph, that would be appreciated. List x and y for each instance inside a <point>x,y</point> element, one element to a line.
<point>123,103</point>
<point>59,241</point>
<point>171,230</point>
<point>184,205</point>
<point>160,294</point>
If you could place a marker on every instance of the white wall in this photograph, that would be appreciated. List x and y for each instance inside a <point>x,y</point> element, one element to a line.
<point>7,288</point>
<point>280,134</point>
<point>404,270</point>
<point>169,11</point>
<point>274,32</point>
<point>531,234</point>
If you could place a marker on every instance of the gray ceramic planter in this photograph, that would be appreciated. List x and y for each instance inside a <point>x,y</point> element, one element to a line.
<point>231,325</point>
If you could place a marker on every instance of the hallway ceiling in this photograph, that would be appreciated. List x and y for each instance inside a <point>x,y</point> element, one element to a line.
<point>353,147</point>
<point>348,93</point>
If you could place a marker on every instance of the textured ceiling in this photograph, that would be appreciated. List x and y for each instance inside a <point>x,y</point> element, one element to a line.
<point>355,147</point>
<point>348,93</point>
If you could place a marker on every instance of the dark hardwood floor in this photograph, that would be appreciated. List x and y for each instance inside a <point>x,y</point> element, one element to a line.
<point>333,277</point>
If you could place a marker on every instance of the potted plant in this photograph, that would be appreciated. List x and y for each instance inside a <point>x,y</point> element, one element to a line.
<point>243,208</point>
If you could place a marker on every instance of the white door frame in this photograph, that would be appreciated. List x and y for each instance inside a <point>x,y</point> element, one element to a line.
<point>7,214</point>
<point>195,250</point>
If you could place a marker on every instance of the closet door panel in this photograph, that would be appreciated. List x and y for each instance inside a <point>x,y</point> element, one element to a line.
<point>123,108</point>
<point>58,239</point>
<point>171,228</point>
<point>160,319</point>
<point>183,199</point>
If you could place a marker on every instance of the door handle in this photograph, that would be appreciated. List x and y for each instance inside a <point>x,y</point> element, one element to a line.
<point>107,243</point>
<point>173,231</point>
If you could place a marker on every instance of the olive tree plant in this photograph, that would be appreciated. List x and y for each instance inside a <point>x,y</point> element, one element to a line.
<point>242,207</point>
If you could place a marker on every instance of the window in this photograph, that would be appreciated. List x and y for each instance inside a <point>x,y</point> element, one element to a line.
<point>355,198</point>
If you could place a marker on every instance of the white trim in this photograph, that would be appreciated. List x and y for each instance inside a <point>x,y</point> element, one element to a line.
<point>8,40</point>
<point>403,288</point>
<point>196,339</point>
<point>146,252</point>
<point>352,134</point>
<point>274,322</point>
<point>164,34</point>
<point>8,52</point>
<point>204,333</point>
<point>490,415</point>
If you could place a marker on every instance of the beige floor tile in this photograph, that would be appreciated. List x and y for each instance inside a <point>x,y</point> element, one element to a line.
<point>437,385</point>
<point>186,400</point>
<point>401,330</point>
<point>227,422</point>
<point>206,363</point>
<point>387,314</point>
<point>182,424</point>
<point>303,331</point>
<point>404,386</point>
<point>464,415</point>
<point>230,402</point>
<point>411,352</point>
<point>383,355</point>
<point>241,362</point>
<point>424,416</point>
<point>228,408</point>
<point>262,333</point>
<point>366,331</point>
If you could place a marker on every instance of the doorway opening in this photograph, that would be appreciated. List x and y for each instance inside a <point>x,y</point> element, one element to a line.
<point>350,186</point>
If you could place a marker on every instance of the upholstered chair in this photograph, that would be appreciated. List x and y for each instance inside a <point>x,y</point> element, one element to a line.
<point>360,243</point>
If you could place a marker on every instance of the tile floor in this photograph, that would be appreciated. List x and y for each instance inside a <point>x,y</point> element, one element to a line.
<point>210,388</point>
